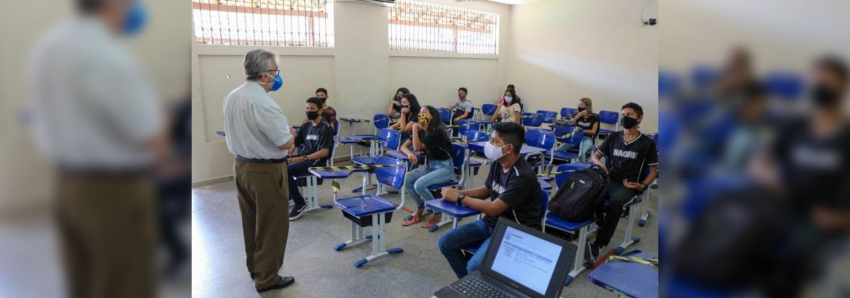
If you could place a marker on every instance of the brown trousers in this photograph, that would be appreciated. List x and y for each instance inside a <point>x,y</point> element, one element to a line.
<point>263,193</point>
<point>108,231</point>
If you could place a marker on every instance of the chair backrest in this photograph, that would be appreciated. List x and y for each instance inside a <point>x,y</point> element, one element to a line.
<point>565,112</point>
<point>532,119</point>
<point>477,136</point>
<point>472,114</point>
<point>381,121</point>
<point>489,109</point>
<point>548,116</point>
<point>466,125</point>
<point>544,204</point>
<point>393,175</point>
<point>784,84</point>
<point>704,76</point>
<point>609,117</point>
<point>390,138</point>
<point>446,116</point>
<point>560,178</point>
<point>531,136</point>
<point>545,139</point>
<point>458,155</point>
<point>569,134</point>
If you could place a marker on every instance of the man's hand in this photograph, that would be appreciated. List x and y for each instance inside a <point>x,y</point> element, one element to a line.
<point>292,160</point>
<point>413,159</point>
<point>633,185</point>
<point>450,194</point>
<point>583,113</point>
<point>417,127</point>
<point>395,102</point>
<point>457,120</point>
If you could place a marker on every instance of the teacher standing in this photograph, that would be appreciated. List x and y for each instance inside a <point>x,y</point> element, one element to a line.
<point>259,135</point>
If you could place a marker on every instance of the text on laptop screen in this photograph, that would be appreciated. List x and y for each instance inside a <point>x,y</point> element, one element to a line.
<point>526,259</point>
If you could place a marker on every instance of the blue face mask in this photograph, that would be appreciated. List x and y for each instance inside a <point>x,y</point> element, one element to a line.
<point>278,82</point>
<point>135,18</point>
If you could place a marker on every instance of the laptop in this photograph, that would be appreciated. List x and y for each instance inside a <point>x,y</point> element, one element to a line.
<point>520,262</point>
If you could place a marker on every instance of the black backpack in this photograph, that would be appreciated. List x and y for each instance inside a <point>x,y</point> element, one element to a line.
<point>578,197</point>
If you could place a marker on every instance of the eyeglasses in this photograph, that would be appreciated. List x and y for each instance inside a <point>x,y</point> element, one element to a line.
<point>276,71</point>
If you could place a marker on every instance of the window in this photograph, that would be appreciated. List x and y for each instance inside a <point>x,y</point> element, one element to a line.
<point>284,23</point>
<point>416,26</point>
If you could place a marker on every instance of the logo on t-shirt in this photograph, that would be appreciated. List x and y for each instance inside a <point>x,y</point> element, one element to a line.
<point>625,153</point>
<point>312,137</point>
<point>582,123</point>
<point>497,188</point>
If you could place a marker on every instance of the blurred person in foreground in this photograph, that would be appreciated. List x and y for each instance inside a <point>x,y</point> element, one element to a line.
<point>259,135</point>
<point>97,120</point>
<point>808,166</point>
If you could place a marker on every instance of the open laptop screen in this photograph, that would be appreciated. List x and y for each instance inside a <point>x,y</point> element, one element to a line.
<point>527,259</point>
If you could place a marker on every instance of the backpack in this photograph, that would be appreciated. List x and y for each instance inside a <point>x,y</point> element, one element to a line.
<point>578,197</point>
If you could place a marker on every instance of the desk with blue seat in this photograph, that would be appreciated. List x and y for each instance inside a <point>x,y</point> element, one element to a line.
<point>628,278</point>
<point>368,210</point>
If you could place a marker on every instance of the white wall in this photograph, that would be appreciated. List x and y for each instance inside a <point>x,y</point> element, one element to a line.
<point>561,51</point>
<point>360,73</point>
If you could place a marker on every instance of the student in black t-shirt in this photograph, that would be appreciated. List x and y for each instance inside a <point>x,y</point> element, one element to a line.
<point>409,113</point>
<point>587,121</point>
<point>395,101</point>
<point>317,136</point>
<point>628,152</point>
<point>808,165</point>
<point>429,135</point>
<point>511,191</point>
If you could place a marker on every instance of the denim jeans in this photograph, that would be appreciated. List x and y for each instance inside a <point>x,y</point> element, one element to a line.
<point>418,180</point>
<point>474,234</point>
<point>586,144</point>
<point>300,168</point>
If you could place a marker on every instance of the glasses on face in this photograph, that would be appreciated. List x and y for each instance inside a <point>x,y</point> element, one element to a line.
<point>276,71</point>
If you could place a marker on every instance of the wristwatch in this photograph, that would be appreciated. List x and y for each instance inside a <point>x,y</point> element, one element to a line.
<point>460,198</point>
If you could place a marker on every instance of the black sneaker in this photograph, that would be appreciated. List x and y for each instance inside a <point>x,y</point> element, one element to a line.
<point>591,252</point>
<point>296,212</point>
<point>281,283</point>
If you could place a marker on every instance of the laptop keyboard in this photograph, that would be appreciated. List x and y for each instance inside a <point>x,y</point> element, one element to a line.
<point>476,288</point>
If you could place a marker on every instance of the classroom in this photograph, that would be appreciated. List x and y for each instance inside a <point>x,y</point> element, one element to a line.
<point>384,121</point>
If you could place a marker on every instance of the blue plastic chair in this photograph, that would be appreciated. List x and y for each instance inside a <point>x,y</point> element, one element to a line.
<point>544,201</point>
<point>567,135</point>
<point>374,211</point>
<point>611,118</point>
<point>530,120</point>
<point>548,116</point>
<point>488,109</point>
<point>459,158</point>
<point>446,116</point>
<point>477,136</point>
<point>466,125</point>
<point>582,228</point>
<point>784,85</point>
<point>566,112</point>
<point>669,84</point>
<point>705,76</point>
<point>628,239</point>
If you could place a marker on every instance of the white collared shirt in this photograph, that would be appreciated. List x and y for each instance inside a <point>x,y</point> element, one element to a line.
<point>254,125</point>
<point>93,105</point>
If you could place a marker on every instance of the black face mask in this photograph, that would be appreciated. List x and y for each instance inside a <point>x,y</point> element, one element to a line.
<point>312,115</point>
<point>628,122</point>
<point>398,97</point>
<point>824,96</point>
<point>581,109</point>
<point>324,99</point>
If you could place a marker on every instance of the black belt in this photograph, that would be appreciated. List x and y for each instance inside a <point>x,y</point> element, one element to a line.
<point>257,160</point>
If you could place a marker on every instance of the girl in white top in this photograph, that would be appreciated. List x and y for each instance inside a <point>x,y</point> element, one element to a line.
<point>510,111</point>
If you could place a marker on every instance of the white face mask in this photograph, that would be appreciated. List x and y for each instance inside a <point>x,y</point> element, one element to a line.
<point>508,99</point>
<point>493,153</point>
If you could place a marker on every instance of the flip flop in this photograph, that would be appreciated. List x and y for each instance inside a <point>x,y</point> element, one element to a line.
<point>429,224</point>
<point>411,221</point>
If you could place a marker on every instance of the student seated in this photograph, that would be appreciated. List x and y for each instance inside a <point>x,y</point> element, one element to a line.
<point>317,136</point>
<point>409,114</point>
<point>328,112</point>
<point>395,101</point>
<point>461,108</point>
<point>587,121</point>
<point>513,193</point>
<point>628,151</point>
<point>429,135</point>
<point>510,111</point>
<point>501,99</point>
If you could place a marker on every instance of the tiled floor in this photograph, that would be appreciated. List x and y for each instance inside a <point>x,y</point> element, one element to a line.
<point>218,252</point>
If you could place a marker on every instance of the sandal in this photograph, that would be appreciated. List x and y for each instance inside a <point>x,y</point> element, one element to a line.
<point>411,221</point>
<point>431,222</point>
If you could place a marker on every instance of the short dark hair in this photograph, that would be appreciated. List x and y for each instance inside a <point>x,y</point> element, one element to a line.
<point>635,107</point>
<point>89,6</point>
<point>511,86</point>
<point>463,89</point>
<point>323,90</point>
<point>511,133</point>
<point>834,65</point>
<point>316,101</point>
